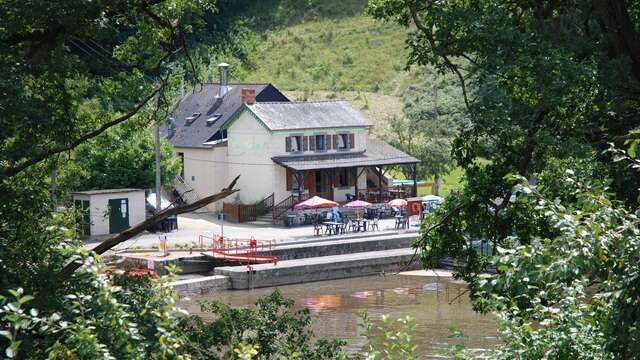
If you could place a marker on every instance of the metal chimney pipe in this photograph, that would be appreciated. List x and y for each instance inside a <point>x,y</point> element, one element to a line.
<point>224,75</point>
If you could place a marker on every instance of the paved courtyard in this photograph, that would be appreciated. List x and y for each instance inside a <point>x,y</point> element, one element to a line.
<point>191,226</point>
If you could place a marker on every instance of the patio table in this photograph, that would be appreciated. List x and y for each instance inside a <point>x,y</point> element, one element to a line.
<point>332,226</point>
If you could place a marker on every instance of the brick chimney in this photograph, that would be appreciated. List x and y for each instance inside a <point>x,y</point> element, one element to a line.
<point>248,96</point>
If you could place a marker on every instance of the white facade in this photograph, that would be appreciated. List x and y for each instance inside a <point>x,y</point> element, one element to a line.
<point>205,170</point>
<point>250,149</point>
<point>99,207</point>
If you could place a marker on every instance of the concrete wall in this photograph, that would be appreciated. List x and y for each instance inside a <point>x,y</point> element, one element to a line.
<point>205,170</point>
<point>99,209</point>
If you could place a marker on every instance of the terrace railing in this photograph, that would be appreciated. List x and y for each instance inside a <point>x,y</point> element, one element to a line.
<point>265,205</point>
<point>285,205</point>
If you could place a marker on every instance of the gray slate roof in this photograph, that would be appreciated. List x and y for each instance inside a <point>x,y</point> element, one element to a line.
<point>204,101</point>
<point>378,153</point>
<point>308,115</point>
<point>106,191</point>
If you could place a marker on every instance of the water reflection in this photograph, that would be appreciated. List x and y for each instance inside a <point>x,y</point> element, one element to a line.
<point>435,303</point>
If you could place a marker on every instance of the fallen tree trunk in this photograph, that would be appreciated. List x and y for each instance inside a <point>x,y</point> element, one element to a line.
<point>116,239</point>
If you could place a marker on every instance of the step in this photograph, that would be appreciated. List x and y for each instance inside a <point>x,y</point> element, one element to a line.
<point>259,222</point>
<point>201,285</point>
<point>341,246</point>
<point>321,268</point>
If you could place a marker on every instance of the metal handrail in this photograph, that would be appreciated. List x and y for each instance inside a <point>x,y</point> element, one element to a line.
<point>283,206</point>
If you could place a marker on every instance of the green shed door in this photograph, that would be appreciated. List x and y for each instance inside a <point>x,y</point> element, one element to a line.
<point>118,215</point>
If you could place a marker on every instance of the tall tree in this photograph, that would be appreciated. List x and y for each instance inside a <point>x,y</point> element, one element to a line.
<point>556,82</point>
<point>123,157</point>
<point>71,71</point>
<point>433,115</point>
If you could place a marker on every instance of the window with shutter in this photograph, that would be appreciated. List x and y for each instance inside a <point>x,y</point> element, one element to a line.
<point>342,141</point>
<point>335,141</point>
<point>296,143</point>
<point>288,144</point>
<point>351,141</point>
<point>320,143</point>
<point>306,143</point>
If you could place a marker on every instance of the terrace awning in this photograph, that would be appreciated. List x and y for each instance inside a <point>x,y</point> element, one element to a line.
<point>378,153</point>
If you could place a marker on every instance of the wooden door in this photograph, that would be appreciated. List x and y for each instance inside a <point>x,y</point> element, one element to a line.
<point>118,215</point>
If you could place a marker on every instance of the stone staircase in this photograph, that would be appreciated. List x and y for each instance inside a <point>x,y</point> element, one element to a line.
<point>265,219</point>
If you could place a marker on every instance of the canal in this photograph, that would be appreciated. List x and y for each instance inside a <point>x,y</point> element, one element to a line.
<point>434,303</point>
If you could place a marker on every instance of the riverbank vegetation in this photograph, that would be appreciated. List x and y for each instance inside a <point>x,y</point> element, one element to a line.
<point>551,90</point>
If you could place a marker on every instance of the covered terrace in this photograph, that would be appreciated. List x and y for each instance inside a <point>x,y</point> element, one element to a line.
<point>339,176</point>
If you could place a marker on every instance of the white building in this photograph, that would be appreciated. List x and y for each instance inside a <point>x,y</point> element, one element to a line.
<point>279,148</point>
<point>109,211</point>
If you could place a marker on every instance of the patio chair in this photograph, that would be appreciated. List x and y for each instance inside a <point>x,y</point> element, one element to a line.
<point>354,225</point>
<point>317,228</point>
<point>374,224</point>
<point>399,222</point>
<point>342,228</point>
<point>362,226</point>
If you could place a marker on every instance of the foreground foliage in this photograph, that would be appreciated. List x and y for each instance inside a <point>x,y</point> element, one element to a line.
<point>555,84</point>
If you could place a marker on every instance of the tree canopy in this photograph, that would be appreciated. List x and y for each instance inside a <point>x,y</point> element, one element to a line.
<point>433,114</point>
<point>555,84</point>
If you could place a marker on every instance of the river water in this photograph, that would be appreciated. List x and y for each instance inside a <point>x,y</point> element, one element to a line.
<point>434,303</point>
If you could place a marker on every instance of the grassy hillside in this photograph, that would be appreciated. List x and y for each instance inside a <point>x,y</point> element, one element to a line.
<point>346,54</point>
<point>319,45</point>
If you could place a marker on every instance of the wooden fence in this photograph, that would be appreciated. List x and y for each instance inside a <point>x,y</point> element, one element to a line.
<point>239,212</point>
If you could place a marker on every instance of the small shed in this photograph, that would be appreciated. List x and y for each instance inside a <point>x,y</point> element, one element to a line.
<point>109,211</point>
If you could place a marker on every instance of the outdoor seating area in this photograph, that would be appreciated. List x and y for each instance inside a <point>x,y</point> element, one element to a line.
<point>330,218</point>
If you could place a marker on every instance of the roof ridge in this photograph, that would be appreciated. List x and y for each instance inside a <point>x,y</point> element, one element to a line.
<point>301,102</point>
<point>238,83</point>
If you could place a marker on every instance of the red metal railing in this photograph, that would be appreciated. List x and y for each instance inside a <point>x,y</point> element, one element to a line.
<point>247,251</point>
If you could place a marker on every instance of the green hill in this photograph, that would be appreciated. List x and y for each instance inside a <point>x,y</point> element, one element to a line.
<point>328,45</point>
<point>346,54</point>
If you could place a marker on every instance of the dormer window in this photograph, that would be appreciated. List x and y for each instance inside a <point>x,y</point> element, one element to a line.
<point>212,120</point>
<point>192,118</point>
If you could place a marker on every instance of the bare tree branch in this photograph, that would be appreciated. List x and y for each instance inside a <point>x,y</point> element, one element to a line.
<point>109,243</point>
<point>21,166</point>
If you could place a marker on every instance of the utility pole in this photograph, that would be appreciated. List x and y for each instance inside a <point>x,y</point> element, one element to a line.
<point>437,179</point>
<point>157,146</point>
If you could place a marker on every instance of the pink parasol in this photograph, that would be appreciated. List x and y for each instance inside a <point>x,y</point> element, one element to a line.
<point>356,204</point>
<point>399,203</point>
<point>314,203</point>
